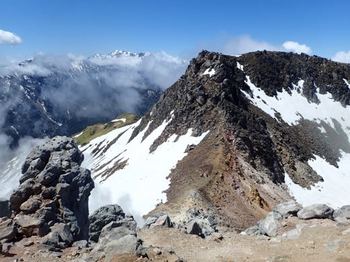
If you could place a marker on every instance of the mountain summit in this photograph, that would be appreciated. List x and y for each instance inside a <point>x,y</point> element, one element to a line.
<point>234,136</point>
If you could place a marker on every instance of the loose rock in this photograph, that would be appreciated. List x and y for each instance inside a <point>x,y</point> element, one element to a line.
<point>288,208</point>
<point>103,216</point>
<point>316,211</point>
<point>270,224</point>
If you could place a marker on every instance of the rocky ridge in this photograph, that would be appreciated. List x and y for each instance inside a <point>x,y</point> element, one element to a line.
<point>238,169</point>
<point>247,152</point>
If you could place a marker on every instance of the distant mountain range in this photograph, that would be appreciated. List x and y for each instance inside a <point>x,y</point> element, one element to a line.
<point>61,95</point>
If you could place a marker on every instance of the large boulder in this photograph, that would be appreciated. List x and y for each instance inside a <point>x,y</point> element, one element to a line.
<point>163,220</point>
<point>270,224</point>
<point>199,222</point>
<point>252,231</point>
<point>103,216</point>
<point>117,238</point>
<point>315,211</point>
<point>8,231</point>
<point>158,220</point>
<point>342,214</point>
<point>194,228</point>
<point>59,237</point>
<point>289,208</point>
<point>53,194</point>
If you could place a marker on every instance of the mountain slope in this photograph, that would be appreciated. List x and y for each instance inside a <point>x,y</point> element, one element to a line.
<point>237,135</point>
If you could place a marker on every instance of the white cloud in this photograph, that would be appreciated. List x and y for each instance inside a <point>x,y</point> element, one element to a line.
<point>295,47</point>
<point>9,38</point>
<point>244,44</point>
<point>342,56</point>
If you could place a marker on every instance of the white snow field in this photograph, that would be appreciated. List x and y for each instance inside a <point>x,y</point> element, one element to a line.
<point>292,107</point>
<point>140,185</point>
<point>11,165</point>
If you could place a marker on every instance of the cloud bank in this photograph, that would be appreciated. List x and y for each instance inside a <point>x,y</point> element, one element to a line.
<point>7,37</point>
<point>244,44</point>
<point>295,47</point>
<point>342,56</point>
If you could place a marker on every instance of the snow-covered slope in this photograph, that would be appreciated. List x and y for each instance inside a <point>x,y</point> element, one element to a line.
<point>127,173</point>
<point>11,162</point>
<point>329,115</point>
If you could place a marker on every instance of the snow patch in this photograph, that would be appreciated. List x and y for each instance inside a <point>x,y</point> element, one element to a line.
<point>119,119</point>
<point>239,66</point>
<point>346,82</point>
<point>333,191</point>
<point>294,106</point>
<point>209,72</point>
<point>78,134</point>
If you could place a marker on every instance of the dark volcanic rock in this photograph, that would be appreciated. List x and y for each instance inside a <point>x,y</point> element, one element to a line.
<point>117,237</point>
<point>8,231</point>
<point>53,194</point>
<point>5,210</point>
<point>103,216</point>
<point>193,228</point>
<point>59,237</point>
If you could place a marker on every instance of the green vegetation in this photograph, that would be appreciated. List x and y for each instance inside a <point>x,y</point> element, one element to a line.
<point>97,130</point>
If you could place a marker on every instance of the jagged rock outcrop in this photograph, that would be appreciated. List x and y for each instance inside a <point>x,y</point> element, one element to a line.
<point>52,198</point>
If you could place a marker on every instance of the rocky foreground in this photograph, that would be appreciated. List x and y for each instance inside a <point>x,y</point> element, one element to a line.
<point>46,219</point>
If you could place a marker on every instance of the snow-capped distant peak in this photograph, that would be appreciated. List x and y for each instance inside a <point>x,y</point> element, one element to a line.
<point>119,54</point>
<point>125,53</point>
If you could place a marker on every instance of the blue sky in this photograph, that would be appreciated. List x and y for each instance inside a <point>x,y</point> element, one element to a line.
<point>178,27</point>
